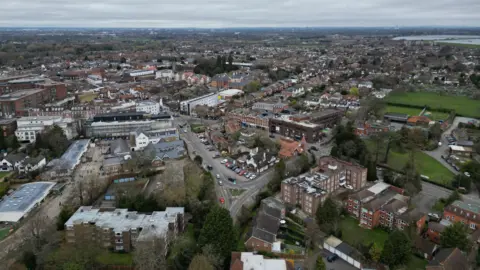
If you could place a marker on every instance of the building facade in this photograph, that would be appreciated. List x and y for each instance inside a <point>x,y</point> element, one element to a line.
<point>354,174</point>
<point>210,100</point>
<point>29,127</point>
<point>148,106</point>
<point>468,214</point>
<point>296,130</point>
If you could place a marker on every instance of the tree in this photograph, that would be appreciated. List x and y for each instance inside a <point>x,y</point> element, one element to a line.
<point>200,262</point>
<point>435,132</point>
<point>327,215</point>
<point>29,260</point>
<point>354,91</point>
<point>396,250</point>
<point>455,235</point>
<point>375,252</point>
<point>253,86</point>
<point>150,254</point>
<point>198,160</point>
<point>218,231</point>
<point>64,216</point>
<point>462,181</point>
<point>13,142</point>
<point>372,170</point>
<point>3,143</point>
<point>320,264</point>
<point>302,163</point>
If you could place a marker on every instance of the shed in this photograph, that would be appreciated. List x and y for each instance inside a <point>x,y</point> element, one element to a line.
<point>343,250</point>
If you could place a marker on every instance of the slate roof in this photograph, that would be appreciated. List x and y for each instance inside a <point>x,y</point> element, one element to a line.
<point>449,259</point>
<point>33,160</point>
<point>168,150</point>
<point>119,147</point>
<point>13,158</point>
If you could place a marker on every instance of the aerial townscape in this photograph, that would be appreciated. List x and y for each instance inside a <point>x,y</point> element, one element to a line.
<point>255,148</point>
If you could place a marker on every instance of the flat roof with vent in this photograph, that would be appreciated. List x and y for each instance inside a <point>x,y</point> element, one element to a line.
<point>24,199</point>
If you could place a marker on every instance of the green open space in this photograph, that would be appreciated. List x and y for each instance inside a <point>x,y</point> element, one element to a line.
<point>4,186</point>
<point>236,191</point>
<point>436,116</point>
<point>4,233</point>
<point>416,263</point>
<point>405,110</point>
<point>197,128</point>
<point>426,165</point>
<point>113,258</point>
<point>462,105</point>
<point>352,233</point>
<point>470,46</point>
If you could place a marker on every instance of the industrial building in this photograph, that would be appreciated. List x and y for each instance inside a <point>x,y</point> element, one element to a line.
<point>18,204</point>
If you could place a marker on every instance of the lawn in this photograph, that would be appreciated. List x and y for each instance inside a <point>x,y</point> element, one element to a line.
<point>405,110</point>
<point>197,128</point>
<point>236,192</point>
<point>352,233</point>
<point>416,263</point>
<point>111,258</point>
<point>3,174</point>
<point>4,186</point>
<point>426,165</point>
<point>436,116</point>
<point>462,105</point>
<point>4,233</point>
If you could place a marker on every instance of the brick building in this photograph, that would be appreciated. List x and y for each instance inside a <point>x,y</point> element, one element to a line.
<point>8,126</point>
<point>368,128</point>
<point>355,175</point>
<point>296,129</point>
<point>248,118</point>
<point>120,229</point>
<point>466,213</point>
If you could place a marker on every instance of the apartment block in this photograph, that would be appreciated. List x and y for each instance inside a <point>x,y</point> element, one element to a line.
<point>119,230</point>
<point>252,119</point>
<point>466,213</point>
<point>355,175</point>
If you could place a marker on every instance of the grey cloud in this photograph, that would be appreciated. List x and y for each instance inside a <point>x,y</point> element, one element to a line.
<point>238,13</point>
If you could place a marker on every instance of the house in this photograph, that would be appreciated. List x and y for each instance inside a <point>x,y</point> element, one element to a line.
<point>369,127</point>
<point>466,213</point>
<point>411,217</point>
<point>12,161</point>
<point>251,261</point>
<point>166,150</point>
<point>448,259</point>
<point>265,226</point>
<point>424,247</point>
<point>290,148</point>
<point>365,84</point>
<point>434,231</point>
<point>31,164</point>
<point>138,140</point>
<point>260,160</point>
<point>418,121</point>
<point>460,150</point>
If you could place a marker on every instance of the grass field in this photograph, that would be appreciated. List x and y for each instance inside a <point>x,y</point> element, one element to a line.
<point>236,192</point>
<point>352,233</point>
<point>462,105</point>
<point>471,46</point>
<point>416,263</point>
<point>436,116</point>
<point>112,258</point>
<point>405,110</point>
<point>4,233</point>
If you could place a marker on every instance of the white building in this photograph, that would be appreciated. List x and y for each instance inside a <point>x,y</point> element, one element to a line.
<point>148,106</point>
<point>137,73</point>
<point>142,139</point>
<point>210,100</point>
<point>94,79</point>
<point>165,74</point>
<point>29,127</point>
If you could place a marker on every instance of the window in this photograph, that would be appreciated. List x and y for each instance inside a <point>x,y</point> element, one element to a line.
<point>473,226</point>
<point>447,217</point>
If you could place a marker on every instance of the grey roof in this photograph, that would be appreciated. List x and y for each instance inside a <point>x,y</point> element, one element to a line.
<point>33,160</point>
<point>14,206</point>
<point>266,223</point>
<point>113,161</point>
<point>450,259</point>
<point>119,147</point>
<point>13,158</point>
<point>167,150</point>
<point>71,157</point>
<point>262,235</point>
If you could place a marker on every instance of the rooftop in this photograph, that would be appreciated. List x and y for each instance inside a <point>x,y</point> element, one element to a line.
<point>20,94</point>
<point>475,208</point>
<point>20,202</point>
<point>71,157</point>
<point>120,220</point>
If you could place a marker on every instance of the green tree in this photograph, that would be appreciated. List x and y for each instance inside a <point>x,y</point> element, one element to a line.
<point>462,181</point>
<point>327,215</point>
<point>3,143</point>
<point>396,250</point>
<point>375,252</point>
<point>198,159</point>
<point>372,170</point>
<point>435,131</point>
<point>29,260</point>
<point>253,86</point>
<point>13,142</point>
<point>320,264</point>
<point>218,232</point>
<point>302,163</point>
<point>64,216</point>
<point>455,235</point>
<point>354,91</point>
<point>200,262</point>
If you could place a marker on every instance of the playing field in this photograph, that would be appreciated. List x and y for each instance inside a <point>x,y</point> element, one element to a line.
<point>462,105</point>
<point>405,110</point>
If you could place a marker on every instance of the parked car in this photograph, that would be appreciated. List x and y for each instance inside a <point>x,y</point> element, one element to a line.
<point>223,161</point>
<point>242,172</point>
<point>237,170</point>
<point>332,258</point>
<point>314,148</point>
<point>271,136</point>
<point>222,200</point>
<point>253,177</point>
<point>220,183</point>
<point>218,176</point>
<point>247,174</point>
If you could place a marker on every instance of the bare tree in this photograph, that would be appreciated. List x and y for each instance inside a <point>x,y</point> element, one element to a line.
<point>151,254</point>
<point>36,229</point>
<point>79,190</point>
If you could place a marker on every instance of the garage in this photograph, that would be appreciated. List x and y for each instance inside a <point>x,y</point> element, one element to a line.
<point>343,250</point>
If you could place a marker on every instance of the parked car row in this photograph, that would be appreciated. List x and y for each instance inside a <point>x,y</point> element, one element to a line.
<point>451,140</point>
<point>239,171</point>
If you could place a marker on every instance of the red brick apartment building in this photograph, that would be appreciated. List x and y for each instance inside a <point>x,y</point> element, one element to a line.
<point>463,212</point>
<point>383,205</point>
<point>120,229</point>
<point>249,118</point>
<point>355,175</point>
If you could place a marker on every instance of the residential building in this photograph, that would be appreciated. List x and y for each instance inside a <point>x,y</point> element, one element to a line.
<point>466,213</point>
<point>418,121</point>
<point>460,150</point>
<point>251,261</point>
<point>121,229</point>
<point>308,190</point>
<point>290,148</point>
<point>260,160</point>
<point>31,164</point>
<point>18,103</point>
<point>248,118</point>
<point>368,128</point>
<point>435,229</point>
<point>166,150</point>
<point>265,226</point>
<point>140,73</point>
<point>327,117</point>
<point>94,79</point>
<point>449,259</point>
<point>148,106</point>
<point>355,175</point>
<point>270,107</point>
<point>210,100</point>
<point>425,247</point>
<point>12,162</point>
<point>8,127</point>
<point>29,127</point>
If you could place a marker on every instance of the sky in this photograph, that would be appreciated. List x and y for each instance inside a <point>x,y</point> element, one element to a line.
<point>238,13</point>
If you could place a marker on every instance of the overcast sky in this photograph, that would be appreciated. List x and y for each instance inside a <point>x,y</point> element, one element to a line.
<point>238,13</point>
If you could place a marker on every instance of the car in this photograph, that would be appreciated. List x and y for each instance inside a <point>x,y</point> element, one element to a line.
<point>222,200</point>
<point>237,170</point>
<point>231,179</point>
<point>220,183</point>
<point>314,148</point>
<point>253,177</point>
<point>223,161</point>
<point>332,258</point>
<point>242,172</point>
<point>209,167</point>
<point>218,176</point>
<point>271,136</point>
<point>247,174</point>
<point>434,215</point>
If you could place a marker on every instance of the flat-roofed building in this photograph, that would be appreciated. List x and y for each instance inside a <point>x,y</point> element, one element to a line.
<point>296,129</point>
<point>29,127</point>
<point>121,229</point>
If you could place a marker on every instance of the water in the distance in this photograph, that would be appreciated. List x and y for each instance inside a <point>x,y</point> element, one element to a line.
<point>459,39</point>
